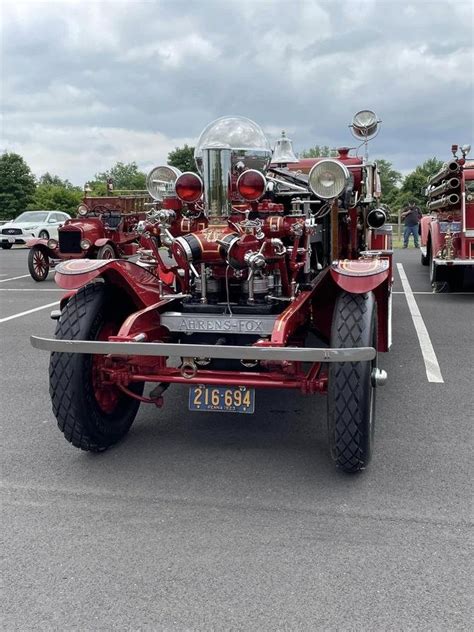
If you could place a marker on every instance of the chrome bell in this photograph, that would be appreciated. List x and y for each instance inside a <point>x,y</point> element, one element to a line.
<point>283,153</point>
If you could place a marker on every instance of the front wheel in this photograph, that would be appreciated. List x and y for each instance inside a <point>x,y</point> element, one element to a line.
<point>91,413</point>
<point>6,246</point>
<point>351,394</point>
<point>106,252</point>
<point>43,234</point>
<point>38,264</point>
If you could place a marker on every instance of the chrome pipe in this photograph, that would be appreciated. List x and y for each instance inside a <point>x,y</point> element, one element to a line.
<point>448,169</point>
<point>446,200</point>
<point>289,185</point>
<point>452,183</point>
<point>216,171</point>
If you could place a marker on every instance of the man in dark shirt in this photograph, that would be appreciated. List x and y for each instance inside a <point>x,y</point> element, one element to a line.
<point>411,216</point>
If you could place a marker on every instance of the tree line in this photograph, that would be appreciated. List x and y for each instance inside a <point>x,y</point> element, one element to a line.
<point>20,190</point>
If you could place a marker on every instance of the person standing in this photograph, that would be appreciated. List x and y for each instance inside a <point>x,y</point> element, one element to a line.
<point>411,216</point>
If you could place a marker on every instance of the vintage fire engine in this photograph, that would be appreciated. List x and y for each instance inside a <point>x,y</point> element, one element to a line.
<point>106,228</point>
<point>253,274</point>
<point>447,233</point>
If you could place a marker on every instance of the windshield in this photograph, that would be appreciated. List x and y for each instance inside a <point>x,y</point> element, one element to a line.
<point>31,217</point>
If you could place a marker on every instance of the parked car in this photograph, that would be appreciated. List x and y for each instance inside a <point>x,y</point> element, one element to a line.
<point>41,224</point>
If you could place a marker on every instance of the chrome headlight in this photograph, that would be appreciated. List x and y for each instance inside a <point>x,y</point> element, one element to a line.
<point>161,180</point>
<point>82,209</point>
<point>52,243</point>
<point>85,244</point>
<point>328,178</point>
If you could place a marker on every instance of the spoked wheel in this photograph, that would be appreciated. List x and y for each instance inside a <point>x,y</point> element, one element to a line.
<point>351,393</point>
<point>38,264</point>
<point>91,413</point>
<point>106,252</point>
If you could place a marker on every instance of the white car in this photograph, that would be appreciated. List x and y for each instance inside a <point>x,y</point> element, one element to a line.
<point>42,224</point>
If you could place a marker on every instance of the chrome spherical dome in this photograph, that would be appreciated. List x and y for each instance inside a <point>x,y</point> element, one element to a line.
<point>250,148</point>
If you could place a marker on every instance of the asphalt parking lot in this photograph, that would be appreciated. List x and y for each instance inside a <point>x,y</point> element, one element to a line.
<point>205,522</point>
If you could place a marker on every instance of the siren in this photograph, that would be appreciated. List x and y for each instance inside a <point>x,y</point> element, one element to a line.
<point>376,218</point>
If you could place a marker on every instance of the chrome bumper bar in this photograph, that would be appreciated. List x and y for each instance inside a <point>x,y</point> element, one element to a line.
<point>162,349</point>
<point>453,262</point>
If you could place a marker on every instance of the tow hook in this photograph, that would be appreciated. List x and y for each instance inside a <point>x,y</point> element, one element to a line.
<point>378,377</point>
<point>188,368</point>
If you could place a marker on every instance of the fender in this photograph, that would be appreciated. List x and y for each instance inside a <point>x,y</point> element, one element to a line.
<point>140,284</point>
<point>361,275</point>
<point>42,244</point>
<point>98,243</point>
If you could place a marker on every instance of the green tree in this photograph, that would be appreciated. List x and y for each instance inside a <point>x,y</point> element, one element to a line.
<point>318,151</point>
<point>415,183</point>
<point>55,197</point>
<point>182,158</point>
<point>390,180</point>
<point>17,185</point>
<point>122,175</point>
<point>49,179</point>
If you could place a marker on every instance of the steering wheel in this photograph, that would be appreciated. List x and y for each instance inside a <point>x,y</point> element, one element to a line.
<point>102,210</point>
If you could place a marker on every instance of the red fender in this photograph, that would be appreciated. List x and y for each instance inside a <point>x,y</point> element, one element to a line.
<point>98,243</point>
<point>360,275</point>
<point>43,245</point>
<point>140,284</point>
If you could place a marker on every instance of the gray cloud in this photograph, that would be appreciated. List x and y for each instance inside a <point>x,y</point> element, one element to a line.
<point>86,84</point>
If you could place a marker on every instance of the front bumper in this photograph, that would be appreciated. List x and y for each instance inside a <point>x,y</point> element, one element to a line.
<point>161,349</point>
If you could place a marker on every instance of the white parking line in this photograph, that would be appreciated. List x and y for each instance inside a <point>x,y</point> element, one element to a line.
<point>28,311</point>
<point>433,372</point>
<point>23,276</point>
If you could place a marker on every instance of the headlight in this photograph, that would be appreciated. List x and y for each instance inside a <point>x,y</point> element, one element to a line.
<point>161,180</point>
<point>52,243</point>
<point>82,209</point>
<point>328,178</point>
<point>85,244</point>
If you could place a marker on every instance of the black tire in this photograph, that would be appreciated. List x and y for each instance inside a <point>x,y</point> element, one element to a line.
<point>38,264</point>
<point>106,252</point>
<point>43,234</point>
<point>6,246</point>
<point>351,394</point>
<point>84,422</point>
<point>425,259</point>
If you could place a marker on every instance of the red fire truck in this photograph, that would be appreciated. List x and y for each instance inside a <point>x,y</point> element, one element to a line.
<point>106,228</point>
<point>250,275</point>
<point>447,233</point>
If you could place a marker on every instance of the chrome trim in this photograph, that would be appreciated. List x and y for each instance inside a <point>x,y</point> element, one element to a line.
<point>453,262</point>
<point>162,349</point>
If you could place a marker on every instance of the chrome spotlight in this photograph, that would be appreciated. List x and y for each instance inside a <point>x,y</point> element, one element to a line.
<point>365,124</point>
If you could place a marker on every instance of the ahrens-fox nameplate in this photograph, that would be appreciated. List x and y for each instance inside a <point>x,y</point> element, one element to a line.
<point>190,323</point>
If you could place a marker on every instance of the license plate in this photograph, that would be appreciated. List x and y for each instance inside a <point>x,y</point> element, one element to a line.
<point>11,240</point>
<point>223,399</point>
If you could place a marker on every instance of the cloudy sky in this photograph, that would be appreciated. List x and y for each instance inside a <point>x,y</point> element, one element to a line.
<point>86,84</point>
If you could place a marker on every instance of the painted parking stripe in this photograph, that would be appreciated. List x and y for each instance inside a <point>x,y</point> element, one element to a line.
<point>28,311</point>
<point>23,276</point>
<point>433,372</point>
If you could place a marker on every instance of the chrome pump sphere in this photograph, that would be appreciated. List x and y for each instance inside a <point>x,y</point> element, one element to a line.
<point>250,148</point>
